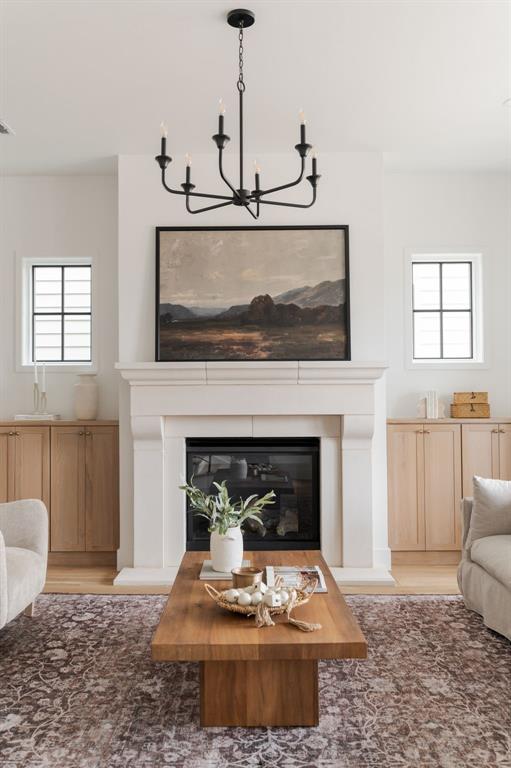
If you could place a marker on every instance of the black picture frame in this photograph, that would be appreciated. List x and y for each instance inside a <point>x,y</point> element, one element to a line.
<point>341,227</point>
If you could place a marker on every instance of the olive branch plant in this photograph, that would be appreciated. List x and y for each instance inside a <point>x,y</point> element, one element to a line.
<point>219,509</point>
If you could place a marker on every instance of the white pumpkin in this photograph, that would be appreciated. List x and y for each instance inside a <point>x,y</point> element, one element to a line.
<point>284,596</point>
<point>244,598</point>
<point>256,598</point>
<point>231,595</point>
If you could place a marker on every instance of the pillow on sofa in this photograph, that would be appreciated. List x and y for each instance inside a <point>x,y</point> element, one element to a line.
<point>491,512</point>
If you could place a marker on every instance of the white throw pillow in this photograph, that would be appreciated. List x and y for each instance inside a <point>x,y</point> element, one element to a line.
<point>491,511</point>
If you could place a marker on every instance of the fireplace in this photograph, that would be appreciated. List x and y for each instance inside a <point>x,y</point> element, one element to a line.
<point>289,466</point>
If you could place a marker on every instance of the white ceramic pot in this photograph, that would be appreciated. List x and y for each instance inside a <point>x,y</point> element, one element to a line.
<point>226,551</point>
<point>86,396</point>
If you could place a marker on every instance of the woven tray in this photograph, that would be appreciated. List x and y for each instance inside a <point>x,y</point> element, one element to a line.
<point>263,612</point>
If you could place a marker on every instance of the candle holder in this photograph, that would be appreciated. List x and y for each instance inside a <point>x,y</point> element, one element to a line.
<point>43,404</point>
<point>36,397</point>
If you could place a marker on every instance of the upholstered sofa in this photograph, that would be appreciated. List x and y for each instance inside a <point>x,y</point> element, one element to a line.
<point>484,574</point>
<point>23,556</point>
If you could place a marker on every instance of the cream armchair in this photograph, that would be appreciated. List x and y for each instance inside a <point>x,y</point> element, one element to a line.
<point>23,556</point>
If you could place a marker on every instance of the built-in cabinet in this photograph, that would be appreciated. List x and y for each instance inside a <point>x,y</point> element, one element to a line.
<point>430,467</point>
<point>24,463</point>
<point>424,486</point>
<point>73,468</point>
<point>486,452</point>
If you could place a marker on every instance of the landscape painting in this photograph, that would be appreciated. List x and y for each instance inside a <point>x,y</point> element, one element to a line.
<point>252,293</point>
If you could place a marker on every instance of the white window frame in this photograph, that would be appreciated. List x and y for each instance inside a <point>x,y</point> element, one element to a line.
<point>23,336</point>
<point>475,258</point>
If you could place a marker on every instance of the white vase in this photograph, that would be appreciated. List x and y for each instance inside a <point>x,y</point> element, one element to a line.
<point>86,396</point>
<point>226,551</point>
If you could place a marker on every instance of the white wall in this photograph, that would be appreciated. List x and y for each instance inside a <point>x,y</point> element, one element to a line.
<point>58,216</point>
<point>449,211</point>
<point>350,193</point>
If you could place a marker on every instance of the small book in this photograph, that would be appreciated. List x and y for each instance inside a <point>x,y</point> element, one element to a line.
<point>293,575</point>
<point>208,574</point>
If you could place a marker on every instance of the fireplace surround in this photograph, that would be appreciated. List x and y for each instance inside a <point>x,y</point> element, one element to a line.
<point>341,404</point>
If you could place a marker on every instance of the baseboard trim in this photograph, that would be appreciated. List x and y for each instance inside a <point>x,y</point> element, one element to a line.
<point>82,558</point>
<point>159,577</point>
<point>363,577</point>
<point>446,557</point>
<point>146,577</point>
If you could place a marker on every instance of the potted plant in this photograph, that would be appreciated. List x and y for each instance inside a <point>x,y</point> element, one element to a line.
<point>225,519</point>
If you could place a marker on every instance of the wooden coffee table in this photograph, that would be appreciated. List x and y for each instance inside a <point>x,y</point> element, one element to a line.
<point>250,676</point>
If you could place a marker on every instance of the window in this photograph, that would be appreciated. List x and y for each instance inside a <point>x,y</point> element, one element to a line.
<point>443,309</point>
<point>60,308</point>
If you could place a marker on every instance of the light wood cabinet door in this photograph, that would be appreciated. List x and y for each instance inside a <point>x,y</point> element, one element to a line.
<point>406,487</point>
<point>480,447</point>
<point>6,464</point>
<point>442,486</point>
<point>504,472</point>
<point>101,489</point>
<point>32,464</point>
<point>67,489</point>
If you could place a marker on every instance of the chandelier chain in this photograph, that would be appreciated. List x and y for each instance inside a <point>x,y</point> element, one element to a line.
<point>240,83</point>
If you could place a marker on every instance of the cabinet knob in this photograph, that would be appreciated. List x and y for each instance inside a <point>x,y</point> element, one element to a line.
<point>81,433</point>
<point>88,433</point>
<point>17,433</point>
<point>495,431</point>
<point>427,431</point>
<point>11,433</point>
<point>502,431</point>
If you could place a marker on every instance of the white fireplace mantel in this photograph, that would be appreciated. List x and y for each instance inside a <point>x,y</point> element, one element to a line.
<point>172,401</point>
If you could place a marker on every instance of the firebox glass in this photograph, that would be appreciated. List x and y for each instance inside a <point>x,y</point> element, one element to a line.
<point>289,466</point>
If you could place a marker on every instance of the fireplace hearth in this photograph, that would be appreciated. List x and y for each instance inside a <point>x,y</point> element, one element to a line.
<point>288,466</point>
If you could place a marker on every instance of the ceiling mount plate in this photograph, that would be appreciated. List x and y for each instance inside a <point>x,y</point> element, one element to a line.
<point>240,17</point>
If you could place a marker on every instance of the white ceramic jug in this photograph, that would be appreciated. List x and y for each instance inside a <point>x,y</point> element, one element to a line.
<point>86,396</point>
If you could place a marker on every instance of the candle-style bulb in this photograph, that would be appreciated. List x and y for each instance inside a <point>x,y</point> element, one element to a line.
<point>188,160</point>
<point>257,167</point>
<point>221,107</point>
<point>164,130</point>
<point>314,153</point>
<point>301,115</point>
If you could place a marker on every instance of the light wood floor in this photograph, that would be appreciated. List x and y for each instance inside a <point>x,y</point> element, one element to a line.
<point>410,580</point>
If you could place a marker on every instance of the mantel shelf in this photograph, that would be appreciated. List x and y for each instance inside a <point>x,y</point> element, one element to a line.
<point>251,372</point>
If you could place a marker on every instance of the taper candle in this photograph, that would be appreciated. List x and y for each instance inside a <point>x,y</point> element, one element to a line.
<point>301,115</point>
<point>188,160</point>
<point>164,134</point>
<point>221,113</point>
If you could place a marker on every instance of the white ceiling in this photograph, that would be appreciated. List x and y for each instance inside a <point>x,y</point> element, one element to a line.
<point>422,81</point>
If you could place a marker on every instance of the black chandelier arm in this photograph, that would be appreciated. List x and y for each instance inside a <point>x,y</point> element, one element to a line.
<point>224,177</point>
<point>292,205</point>
<point>192,194</point>
<point>285,186</point>
<point>207,207</point>
<point>251,212</point>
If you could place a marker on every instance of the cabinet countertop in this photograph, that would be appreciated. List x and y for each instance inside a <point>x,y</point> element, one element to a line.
<point>60,423</point>
<point>417,420</point>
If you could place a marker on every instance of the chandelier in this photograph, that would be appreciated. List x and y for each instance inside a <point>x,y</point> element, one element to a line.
<point>251,200</point>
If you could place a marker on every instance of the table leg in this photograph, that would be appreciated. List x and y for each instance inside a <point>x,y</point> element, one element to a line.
<point>274,692</point>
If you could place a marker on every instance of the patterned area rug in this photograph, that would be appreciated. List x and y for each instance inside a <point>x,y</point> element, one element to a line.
<point>78,690</point>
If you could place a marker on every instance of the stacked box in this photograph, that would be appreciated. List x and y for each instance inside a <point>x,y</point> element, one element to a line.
<point>470,405</point>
